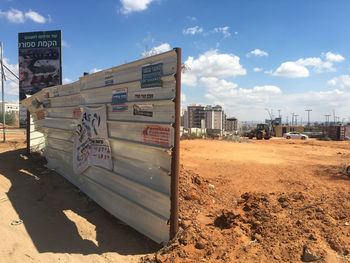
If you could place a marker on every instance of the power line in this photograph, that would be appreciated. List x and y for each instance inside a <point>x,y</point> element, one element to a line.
<point>308,117</point>
<point>11,79</point>
<point>10,70</point>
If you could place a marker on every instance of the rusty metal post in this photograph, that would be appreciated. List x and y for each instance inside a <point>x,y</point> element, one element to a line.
<point>175,160</point>
<point>28,133</point>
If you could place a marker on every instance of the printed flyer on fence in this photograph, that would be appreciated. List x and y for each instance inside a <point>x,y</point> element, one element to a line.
<point>91,145</point>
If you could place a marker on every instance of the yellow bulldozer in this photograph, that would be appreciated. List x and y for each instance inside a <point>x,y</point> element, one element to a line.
<point>262,131</point>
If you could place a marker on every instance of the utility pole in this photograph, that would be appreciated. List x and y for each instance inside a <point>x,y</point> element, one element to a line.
<point>3,96</point>
<point>292,118</point>
<point>287,120</point>
<point>308,118</point>
<point>327,118</point>
<point>296,119</point>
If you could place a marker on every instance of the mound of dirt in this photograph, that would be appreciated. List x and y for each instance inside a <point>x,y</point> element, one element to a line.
<point>257,227</point>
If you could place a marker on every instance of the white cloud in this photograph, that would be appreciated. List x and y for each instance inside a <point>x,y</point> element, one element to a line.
<point>218,86</point>
<point>66,80</point>
<point>317,63</point>
<point>257,69</point>
<point>291,70</point>
<point>334,57</point>
<point>35,17</point>
<point>268,89</point>
<point>14,16</point>
<point>224,30</point>
<point>11,88</point>
<point>342,81</point>
<point>157,50</point>
<point>212,64</point>
<point>94,70</point>
<point>189,79</point>
<point>129,6</point>
<point>183,97</point>
<point>298,69</point>
<point>234,99</point>
<point>257,53</point>
<point>249,103</point>
<point>192,30</point>
<point>17,16</point>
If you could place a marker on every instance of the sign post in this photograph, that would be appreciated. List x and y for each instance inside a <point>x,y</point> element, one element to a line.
<point>3,96</point>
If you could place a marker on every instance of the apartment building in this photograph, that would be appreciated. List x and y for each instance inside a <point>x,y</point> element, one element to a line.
<point>231,124</point>
<point>10,107</point>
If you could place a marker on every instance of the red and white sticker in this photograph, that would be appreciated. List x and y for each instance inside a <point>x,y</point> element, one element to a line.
<point>156,134</point>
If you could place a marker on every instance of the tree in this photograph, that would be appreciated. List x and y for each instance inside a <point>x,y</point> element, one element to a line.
<point>10,118</point>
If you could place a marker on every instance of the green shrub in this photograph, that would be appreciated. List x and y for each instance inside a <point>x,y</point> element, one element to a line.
<point>10,118</point>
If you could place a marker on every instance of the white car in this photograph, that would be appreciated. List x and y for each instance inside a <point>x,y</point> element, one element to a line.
<point>295,135</point>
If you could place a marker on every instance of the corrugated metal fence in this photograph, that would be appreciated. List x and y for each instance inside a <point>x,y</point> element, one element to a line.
<point>141,116</point>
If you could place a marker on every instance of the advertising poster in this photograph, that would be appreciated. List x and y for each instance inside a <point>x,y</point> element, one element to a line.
<point>40,63</point>
<point>91,145</point>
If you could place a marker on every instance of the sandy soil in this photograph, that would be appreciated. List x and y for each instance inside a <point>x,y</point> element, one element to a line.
<point>60,223</point>
<point>264,201</point>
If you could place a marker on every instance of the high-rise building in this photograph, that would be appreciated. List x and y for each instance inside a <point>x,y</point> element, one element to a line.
<point>214,117</point>
<point>195,115</point>
<point>209,117</point>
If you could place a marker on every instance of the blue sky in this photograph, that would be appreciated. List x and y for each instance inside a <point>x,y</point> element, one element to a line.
<point>245,55</point>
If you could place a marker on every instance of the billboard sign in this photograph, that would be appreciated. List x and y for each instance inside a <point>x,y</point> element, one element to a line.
<point>40,63</point>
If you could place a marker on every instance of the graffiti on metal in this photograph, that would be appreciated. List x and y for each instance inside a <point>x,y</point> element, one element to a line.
<point>91,145</point>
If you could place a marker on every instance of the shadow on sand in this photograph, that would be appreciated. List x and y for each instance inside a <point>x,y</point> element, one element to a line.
<point>42,198</point>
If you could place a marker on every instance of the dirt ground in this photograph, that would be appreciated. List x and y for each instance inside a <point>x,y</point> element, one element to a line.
<point>60,223</point>
<point>263,201</point>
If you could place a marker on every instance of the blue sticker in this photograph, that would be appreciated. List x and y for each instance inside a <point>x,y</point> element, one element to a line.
<point>120,96</point>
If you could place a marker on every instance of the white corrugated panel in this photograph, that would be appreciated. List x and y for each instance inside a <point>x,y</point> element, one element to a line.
<point>141,137</point>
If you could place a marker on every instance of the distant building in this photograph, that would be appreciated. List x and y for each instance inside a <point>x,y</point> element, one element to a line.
<point>208,117</point>
<point>231,124</point>
<point>347,130</point>
<point>282,129</point>
<point>195,115</point>
<point>10,107</point>
<point>214,117</point>
<point>335,132</point>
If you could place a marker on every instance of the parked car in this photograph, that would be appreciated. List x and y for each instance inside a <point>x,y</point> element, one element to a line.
<point>295,135</point>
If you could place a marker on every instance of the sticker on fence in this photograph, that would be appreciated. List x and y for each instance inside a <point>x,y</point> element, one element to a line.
<point>143,110</point>
<point>120,96</point>
<point>156,134</point>
<point>145,96</point>
<point>91,145</point>
<point>152,76</point>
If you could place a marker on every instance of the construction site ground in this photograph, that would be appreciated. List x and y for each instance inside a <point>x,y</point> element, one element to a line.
<point>258,201</point>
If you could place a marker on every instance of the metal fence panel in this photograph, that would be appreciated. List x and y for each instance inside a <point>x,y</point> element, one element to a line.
<point>140,188</point>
